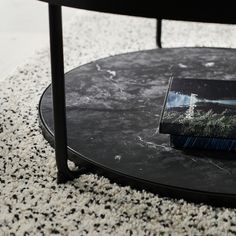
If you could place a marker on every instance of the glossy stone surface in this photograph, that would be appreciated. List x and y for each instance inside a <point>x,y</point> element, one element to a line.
<point>113,109</point>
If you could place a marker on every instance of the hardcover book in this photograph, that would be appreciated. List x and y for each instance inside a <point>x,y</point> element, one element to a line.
<point>200,113</point>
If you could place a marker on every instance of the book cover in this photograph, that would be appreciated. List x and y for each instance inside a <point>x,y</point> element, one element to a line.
<point>200,108</point>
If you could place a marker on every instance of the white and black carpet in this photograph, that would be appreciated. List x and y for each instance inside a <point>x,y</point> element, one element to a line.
<point>31,203</point>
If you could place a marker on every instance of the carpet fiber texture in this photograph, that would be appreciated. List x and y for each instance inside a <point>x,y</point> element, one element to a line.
<point>31,203</point>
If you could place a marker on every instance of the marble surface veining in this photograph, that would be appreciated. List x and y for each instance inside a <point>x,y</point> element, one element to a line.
<point>113,110</point>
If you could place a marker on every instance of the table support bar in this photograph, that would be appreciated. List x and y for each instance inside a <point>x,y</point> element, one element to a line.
<point>58,90</point>
<point>158,33</point>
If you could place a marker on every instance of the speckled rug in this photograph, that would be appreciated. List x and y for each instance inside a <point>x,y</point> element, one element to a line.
<point>31,203</point>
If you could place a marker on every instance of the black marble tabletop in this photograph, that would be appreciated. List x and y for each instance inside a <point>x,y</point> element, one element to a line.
<point>113,110</point>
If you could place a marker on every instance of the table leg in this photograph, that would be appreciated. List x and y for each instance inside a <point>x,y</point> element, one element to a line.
<point>58,91</point>
<point>158,33</point>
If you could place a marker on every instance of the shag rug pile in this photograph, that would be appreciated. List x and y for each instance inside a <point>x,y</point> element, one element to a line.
<point>31,202</point>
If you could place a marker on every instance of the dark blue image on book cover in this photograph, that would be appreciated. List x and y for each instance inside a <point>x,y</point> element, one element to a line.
<point>191,142</point>
<point>200,113</point>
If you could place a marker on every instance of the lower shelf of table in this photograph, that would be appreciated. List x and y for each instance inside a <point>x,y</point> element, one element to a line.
<point>113,109</point>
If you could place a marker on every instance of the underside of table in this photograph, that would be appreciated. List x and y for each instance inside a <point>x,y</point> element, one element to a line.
<point>215,12</point>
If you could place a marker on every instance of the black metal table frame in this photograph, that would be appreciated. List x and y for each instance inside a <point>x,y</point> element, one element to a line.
<point>222,13</point>
<point>64,174</point>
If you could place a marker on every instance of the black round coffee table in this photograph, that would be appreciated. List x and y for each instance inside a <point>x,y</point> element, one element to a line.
<point>113,107</point>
